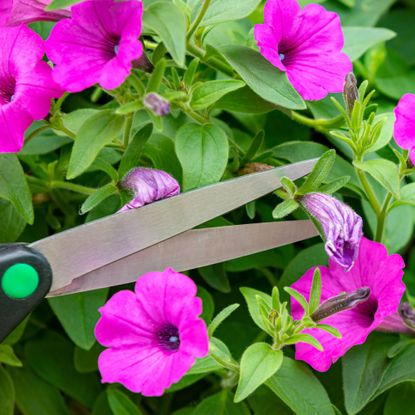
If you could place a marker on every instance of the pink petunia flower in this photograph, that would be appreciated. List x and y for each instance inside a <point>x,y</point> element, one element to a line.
<point>374,269</point>
<point>342,227</point>
<point>404,130</point>
<point>153,335</point>
<point>26,85</point>
<point>16,12</point>
<point>306,44</point>
<point>147,186</point>
<point>96,45</point>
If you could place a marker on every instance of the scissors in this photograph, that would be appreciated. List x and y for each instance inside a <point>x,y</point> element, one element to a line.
<point>119,248</point>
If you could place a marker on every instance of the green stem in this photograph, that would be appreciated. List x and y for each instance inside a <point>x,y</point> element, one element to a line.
<point>316,123</point>
<point>127,129</point>
<point>69,133</point>
<point>193,114</point>
<point>231,366</point>
<point>59,102</point>
<point>35,133</point>
<point>369,191</point>
<point>78,188</point>
<point>382,218</point>
<point>212,62</point>
<point>198,19</point>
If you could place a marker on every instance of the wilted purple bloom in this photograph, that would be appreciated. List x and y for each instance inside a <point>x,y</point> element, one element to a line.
<point>342,227</point>
<point>157,104</point>
<point>16,12</point>
<point>148,185</point>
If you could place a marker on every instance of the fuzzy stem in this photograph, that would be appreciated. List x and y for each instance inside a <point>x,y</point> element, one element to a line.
<point>369,191</point>
<point>321,123</point>
<point>382,218</point>
<point>78,188</point>
<point>127,129</point>
<point>35,133</point>
<point>198,19</point>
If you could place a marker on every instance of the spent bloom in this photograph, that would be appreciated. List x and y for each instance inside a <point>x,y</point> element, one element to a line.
<point>401,322</point>
<point>16,12</point>
<point>342,227</point>
<point>306,44</point>
<point>404,130</point>
<point>26,85</point>
<point>153,335</point>
<point>96,45</point>
<point>157,104</point>
<point>376,272</point>
<point>148,185</point>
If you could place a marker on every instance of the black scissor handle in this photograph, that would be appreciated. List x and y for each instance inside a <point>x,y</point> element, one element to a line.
<point>25,279</point>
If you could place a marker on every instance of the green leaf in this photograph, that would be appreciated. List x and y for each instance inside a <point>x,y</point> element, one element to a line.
<point>252,303</point>
<point>299,389</point>
<point>383,171</point>
<point>78,314</point>
<point>298,297</point>
<point>51,358</point>
<point>97,197</point>
<point>225,10</point>
<point>357,40</point>
<point>86,361</point>
<point>7,394</point>
<point>13,186</point>
<point>258,363</point>
<point>369,358</point>
<point>334,185</point>
<point>13,223</point>
<point>96,132</point>
<point>131,157</point>
<point>285,208</point>
<point>168,21</point>
<point>245,100</point>
<point>215,275</point>
<point>400,400</point>
<point>264,79</point>
<point>319,173</point>
<point>407,196</point>
<point>386,133</point>
<point>305,338</point>
<point>35,396</point>
<point>203,153</point>
<point>205,94</point>
<point>120,403</point>
<point>221,404</point>
<point>8,357</point>
<point>315,293</point>
<point>61,4</point>
<point>220,318</point>
<point>332,330</point>
<point>205,365</point>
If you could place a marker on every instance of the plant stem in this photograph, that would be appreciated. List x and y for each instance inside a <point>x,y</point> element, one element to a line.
<point>382,218</point>
<point>78,188</point>
<point>316,123</point>
<point>193,114</point>
<point>127,129</point>
<point>198,19</point>
<point>36,132</point>
<point>369,191</point>
<point>212,62</point>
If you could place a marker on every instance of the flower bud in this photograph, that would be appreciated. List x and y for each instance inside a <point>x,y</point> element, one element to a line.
<point>342,227</point>
<point>407,314</point>
<point>148,185</point>
<point>341,302</point>
<point>157,104</point>
<point>350,92</point>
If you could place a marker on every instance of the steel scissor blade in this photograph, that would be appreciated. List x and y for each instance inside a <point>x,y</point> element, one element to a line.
<point>194,249</point>
<point>85,248</point>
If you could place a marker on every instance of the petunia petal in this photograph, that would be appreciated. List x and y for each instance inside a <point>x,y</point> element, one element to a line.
<point>404,129</point>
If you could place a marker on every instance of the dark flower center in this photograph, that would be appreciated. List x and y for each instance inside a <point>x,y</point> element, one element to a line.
<point>7,90</point>
<point>367,310</point>
<point>168,337</point>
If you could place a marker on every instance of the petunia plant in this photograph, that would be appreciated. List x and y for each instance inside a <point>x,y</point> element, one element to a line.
<point>110,105</point>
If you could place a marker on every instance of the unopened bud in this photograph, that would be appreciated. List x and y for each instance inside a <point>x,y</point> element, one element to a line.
<point>350,92</point>
<point>249,168</point>
<point>407,314</point>
<point>157,104</point>
<point>341,302</point>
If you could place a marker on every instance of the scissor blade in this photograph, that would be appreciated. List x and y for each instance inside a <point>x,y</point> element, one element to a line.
<point>193,249</point>
<point>91,246</point>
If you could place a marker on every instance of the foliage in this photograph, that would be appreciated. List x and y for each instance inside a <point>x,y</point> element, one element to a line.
<point>229,108</point>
